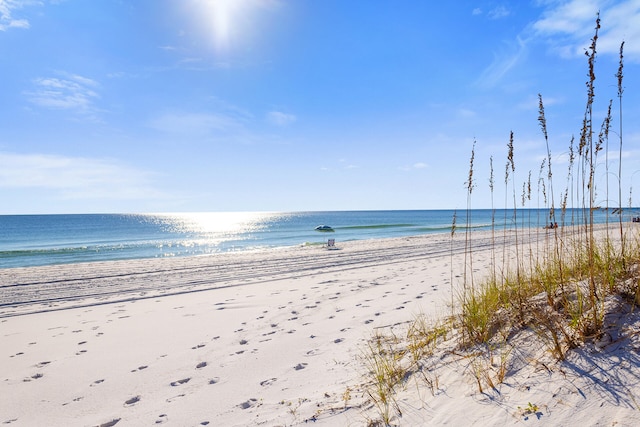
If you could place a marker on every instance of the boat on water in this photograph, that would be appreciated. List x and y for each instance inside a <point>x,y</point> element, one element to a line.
<point>324,228</point>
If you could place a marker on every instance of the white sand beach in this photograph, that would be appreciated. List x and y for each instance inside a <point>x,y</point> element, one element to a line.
<point>275,338</point>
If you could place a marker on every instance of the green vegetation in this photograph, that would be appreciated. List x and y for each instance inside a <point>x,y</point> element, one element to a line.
<point>553,283</point>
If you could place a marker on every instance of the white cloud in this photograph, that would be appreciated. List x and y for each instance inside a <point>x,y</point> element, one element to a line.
<point>74,177</point>
<point>570,25</point>
<point>415,166</point>
<point>69,92</point>
<point>279,118</point>
<point>568,17</point>
<point>498,12</point>
<point>7,7</point>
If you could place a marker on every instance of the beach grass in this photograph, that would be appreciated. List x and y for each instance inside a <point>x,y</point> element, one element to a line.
<point>554,284</point>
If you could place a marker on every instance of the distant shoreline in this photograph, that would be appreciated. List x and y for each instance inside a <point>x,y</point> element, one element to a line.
<point>72,239</point>
<point>62,286</point>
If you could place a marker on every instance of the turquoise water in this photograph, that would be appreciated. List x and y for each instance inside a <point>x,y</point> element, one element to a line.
<point>33,240</point>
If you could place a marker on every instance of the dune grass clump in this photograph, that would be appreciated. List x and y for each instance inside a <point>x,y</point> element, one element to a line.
<point>561,291</point>
<point>553,282</point>
<point>392,359</point>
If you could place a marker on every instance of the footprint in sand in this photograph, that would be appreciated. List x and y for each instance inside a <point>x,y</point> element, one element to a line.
<point>268,382</point>
<point>171,399</point>
<point>140,368</point>
<point>180,382</point>
<point>35,377</point>
<point>96,382</point>
<point>201,365</point>
<point>248,403</point>
<point>162,418</point>
<point>132,401</point>
<point>338,340</point>
<point>214,381</point>
<point>300,366</point>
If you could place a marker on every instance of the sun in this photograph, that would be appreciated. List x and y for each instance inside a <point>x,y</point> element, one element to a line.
<point>227,24</point>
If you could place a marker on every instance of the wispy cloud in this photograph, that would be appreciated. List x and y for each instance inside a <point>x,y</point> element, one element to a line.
<point>66,92</point>
<point>415,166</point>
<point>7,9</point>
<point>503,62</point>
<point>75,177</point>
<point>569,26</point>
<point>196,123</point>
<point>279,118</point>
<point>498,12</point>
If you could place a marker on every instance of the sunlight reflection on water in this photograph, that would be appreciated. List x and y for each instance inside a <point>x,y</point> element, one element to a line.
<point>215,227</point>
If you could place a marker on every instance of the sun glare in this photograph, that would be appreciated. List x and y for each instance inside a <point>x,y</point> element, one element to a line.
<point>226,24</point>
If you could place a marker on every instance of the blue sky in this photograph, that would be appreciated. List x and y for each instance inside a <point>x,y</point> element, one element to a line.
<point>276,105</point>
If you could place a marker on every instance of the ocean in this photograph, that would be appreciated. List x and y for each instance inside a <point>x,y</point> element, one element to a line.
<point>36,240</point>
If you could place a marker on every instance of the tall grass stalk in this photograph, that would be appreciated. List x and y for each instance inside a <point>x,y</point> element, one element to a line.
<point>620,76</point>
<point>588,136</point>
<point>468,258</point>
